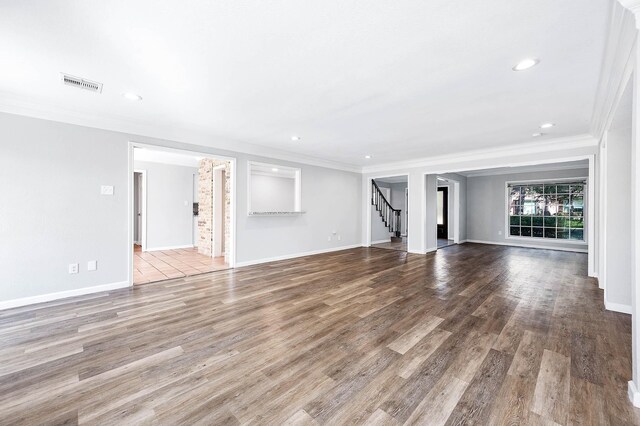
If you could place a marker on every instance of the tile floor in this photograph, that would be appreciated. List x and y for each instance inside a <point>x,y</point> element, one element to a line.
<point>161,265</point>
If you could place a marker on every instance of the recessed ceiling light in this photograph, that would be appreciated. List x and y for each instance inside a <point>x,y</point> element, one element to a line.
<point>525,64</point>
<point>535,135</point>
<point>547,125</point>
<point>132,96</point>
<point>274,170</point>
<point>367,157</point>
<point>295,138</point>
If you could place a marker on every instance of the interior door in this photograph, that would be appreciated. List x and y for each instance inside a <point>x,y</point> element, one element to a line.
<point>443,212</point>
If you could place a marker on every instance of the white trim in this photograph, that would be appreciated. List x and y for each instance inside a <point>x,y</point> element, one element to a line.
<point>526,169</point>
<point>367,206</point>
<point>381,241</point>
<point>547,240</point>
<point>617,307</point>
<point>587,238</point>
<point>297,201</point>
<point>24,301</point>
<point>456,208</point>
<point>576,250</point>
<point>558,144</point>
<point>295,255</point>
<point>532,181</point>
<point>143,219</point>
<point>185,246</point>
<point>234,199</point>
<point>634,395</point>
<point>602,211</point>
<point>617,67</point>
<point>590,219</point>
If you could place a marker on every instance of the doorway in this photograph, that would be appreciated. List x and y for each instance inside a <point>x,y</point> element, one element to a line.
<point>182,207</point>
<point>139,206</point>
<point>443,213</point>
<point>389,213</point>
<point>447,212</point>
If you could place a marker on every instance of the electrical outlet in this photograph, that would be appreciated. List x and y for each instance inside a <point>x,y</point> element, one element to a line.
<point>499,232</point>
<point>106,190</point>
<point>329,238</point>
<point>339,237</point>
<point>73,268</point>
<point>92,265</point>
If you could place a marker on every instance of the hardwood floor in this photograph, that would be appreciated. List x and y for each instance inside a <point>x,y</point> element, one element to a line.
<point>400,245</point>
<point>474,334</point>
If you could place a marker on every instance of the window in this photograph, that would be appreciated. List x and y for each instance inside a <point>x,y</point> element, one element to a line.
<point>551,210</point>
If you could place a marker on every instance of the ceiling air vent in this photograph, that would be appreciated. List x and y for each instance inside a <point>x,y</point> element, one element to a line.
<point>81,83</point>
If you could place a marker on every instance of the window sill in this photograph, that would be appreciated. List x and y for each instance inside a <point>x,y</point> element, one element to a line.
<point>547,240</point>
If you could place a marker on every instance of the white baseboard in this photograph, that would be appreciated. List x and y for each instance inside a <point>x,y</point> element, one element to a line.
<point>294,255</point>
<point>169,248</point>
<point>634,395</point>
<point>617,307</point>
<point>543,247</point>
<point>422,251</point>
<point>462,241</point>
<point>388,240</point>
<point>24,301</point>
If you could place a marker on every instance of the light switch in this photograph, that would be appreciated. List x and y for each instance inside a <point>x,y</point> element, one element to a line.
<point>106,190</point>
<point>92,265</point>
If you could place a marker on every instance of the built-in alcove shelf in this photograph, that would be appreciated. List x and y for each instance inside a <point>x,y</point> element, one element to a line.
<point>275,213</point>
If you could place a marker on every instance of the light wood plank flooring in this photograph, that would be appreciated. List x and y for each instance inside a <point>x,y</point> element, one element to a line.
<point>474,334</point>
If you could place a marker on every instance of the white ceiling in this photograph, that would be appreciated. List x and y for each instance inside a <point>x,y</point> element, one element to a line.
<point>397,80</point>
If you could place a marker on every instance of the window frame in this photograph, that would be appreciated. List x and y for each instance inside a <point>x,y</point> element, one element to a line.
<point>507,233</point>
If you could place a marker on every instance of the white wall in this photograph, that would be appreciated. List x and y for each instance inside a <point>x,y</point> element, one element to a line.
<point>54,214</point>
<point>618,218</point>
<point>379,232</point>
<point>272,193</point>
<point>169,204</point>
<point>431,212</point>
<point>486,207</point>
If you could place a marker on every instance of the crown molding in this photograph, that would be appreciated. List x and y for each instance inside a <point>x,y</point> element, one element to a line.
<point>527,169</point>
<point>551,145</point>
<point>633,6</point>
<point>19,105</point>
<point>617,66</point>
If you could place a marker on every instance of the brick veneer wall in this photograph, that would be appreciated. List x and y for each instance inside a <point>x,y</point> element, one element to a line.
<point>206,195</point>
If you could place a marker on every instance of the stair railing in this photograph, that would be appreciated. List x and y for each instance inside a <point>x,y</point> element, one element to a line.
<point>389,215</point>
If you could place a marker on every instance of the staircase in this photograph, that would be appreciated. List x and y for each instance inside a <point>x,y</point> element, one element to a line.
<point>389,215</point>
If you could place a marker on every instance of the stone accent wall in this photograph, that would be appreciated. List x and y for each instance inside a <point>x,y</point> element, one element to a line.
<point>206,194</point>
